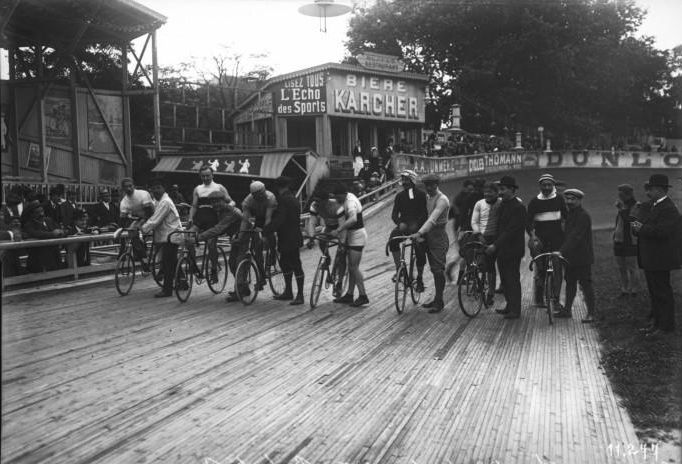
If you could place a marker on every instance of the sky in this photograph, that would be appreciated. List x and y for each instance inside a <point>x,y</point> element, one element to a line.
<point>200,29</point>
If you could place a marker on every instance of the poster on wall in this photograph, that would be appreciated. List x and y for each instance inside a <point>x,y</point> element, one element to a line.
<point>58,119</point>
<point>33,158</point>
<point>301,96</point>
<point>248,165</point>
<point>99,140</point>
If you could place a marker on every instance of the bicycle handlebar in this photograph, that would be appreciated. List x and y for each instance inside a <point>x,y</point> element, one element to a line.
<point>544,255</point>
<point>476,244</point>
<point>322,237</point>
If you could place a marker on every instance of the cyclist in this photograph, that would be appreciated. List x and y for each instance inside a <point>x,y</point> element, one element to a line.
<point>409,214</point>
<point>287,223</point>
<point>136,206</point>
<point>546,212</point>
<point>324,208</point>
<point>484,222</point>
<point>202,215</point>
<point>437,241</point>
<point>164,221</point>
<point>356,238</point>
<point>257,210</point>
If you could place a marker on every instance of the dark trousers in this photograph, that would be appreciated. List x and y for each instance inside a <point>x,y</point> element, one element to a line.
<point>169,259</point>
<point>662,300</point>
<point>290,260</point>
<point>510,276</point>
<point>580,275</point>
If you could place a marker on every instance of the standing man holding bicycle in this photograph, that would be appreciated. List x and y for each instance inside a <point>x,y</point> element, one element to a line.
<point>577,249</point>
<point>437,242</point>
<point>409,214</point>
<point>164,221</point>
<point>509,247</point>
<point>484,222</point>
<point>326,209</point>
<point>286,222</point>
<point>546,212</point>
<point>136,206</point>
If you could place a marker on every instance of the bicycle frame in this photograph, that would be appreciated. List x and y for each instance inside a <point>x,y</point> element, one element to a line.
<point>322,268</point>
<point>549,278</point>
<point>405,273</point>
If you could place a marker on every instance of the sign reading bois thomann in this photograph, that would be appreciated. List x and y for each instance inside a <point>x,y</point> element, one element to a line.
<point>302,96</point>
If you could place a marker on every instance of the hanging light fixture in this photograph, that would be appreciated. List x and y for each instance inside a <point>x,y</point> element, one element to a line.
<point>324,9</point>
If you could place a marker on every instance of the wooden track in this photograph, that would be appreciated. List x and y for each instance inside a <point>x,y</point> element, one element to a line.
<point>90,377</point>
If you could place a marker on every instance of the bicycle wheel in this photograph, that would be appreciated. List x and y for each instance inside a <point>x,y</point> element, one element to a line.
<point>217,278</point>
<point>414,294</point>
<point>318,282</point>
<point>401,283</point>
<point>549,296</point>
<point>484,288</point>
<point>184,279</point>
<point>340,280</point>
<point>155,265</point>
<point>470,300</point>
<point>247,281</point>
<point>125,274</point>
<point>273,273</point>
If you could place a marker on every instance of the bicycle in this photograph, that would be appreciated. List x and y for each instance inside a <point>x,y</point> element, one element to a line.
<point>187,269</point>
<point>124,276</point>
<point>550,297</point>
<point>334,278</point>
<point>405,279</point>
<point>473,286</point>
<point>250,278</point>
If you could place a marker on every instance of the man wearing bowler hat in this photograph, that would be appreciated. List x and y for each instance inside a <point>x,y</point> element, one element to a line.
<point>509,246</point>
<point>658,253</point>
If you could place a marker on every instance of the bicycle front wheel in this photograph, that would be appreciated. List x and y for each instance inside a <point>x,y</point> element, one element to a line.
<point>401,289</point>
<point>184,279</point>
<point>468,293</point>
<point>273,273</point>
<point>414,294</point>
<point>125,274</point>
<point>217,272</point>
<point>155,265</point>
<point>318,282</point>
<point>247,281</point>
<point>549,296</point>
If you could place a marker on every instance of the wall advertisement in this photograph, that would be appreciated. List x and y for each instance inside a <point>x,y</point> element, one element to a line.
<point>610,159</point>
<point>301,96</point>
<point>499,162</point>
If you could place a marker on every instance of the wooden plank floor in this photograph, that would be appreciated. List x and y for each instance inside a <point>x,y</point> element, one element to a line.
<point>91,377</point>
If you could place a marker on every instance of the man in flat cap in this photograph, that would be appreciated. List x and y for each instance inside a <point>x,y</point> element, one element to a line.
<point>658,252</point>
<point>437,242</point>
<point>509,246</point>
<point>578,251</point>
<point>625,242</point>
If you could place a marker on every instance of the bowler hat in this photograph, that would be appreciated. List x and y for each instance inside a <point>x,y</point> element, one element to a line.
<point>508,181</point>
<point>658,180</point>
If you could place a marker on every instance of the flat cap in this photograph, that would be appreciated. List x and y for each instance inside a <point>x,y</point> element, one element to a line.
<point>256,186</point>
<point>431,178</point>
<point>626,188</point>
<point>574,193</point>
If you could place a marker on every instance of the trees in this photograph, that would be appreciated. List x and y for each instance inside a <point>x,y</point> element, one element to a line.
<point>572,66</point>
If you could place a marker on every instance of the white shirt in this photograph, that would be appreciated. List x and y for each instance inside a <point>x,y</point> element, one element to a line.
<point>134,204</point>
<point>164,220</point>
<point>483,218</point>
<point>660,200</point>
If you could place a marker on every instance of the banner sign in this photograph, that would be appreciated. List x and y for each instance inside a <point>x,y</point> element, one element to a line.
<point>373,97</point>
<point>248,165</point>
<point>610,159</point>
<point>502,161</point>
<point>456,166</point>
<point>380,62</point>
<point>302,96</point>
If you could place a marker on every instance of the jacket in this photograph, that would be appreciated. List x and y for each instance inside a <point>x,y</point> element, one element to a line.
<point>230,216</point>
<point>657,244</point>
<point>577,247</point>
<point>287,223</point>
<point>511,230</point>
<point>101,216</point>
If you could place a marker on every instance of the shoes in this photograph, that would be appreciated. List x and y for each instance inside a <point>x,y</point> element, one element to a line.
<point>284,296</point>
<point>261,285</point>
<point>163,294</point>
<point>297,301</point>
<point>213,278</point>
<point>336,292</point>
<point>145,266</point>
<point>502,311</point>
<point>438,307</point>
<point>489,300</point>
<point>541,305</point>
<point>430,304</point>
<point>512,316</point>
<point>345,299</point>
<point>360,301</point>
<point>588,319</point>
<point>394,279</point>
<point>563,314</point>
<point>419,286</point>
<point>231,297</point>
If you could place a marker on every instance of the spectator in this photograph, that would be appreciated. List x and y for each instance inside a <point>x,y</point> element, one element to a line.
<point>15,203</point>
<point>105,212</point>
<point>625,242</point>
<point>11,265</point>
<point>67,209</point>
<point>358,158</point>
<point>45,258</point>
<point>175,195</point>
<point>80,250</point>
<point>374,159</point>
<point>459,206</point>
<point>51,206</point>
<point>658,254</point>
<point>365,173</point>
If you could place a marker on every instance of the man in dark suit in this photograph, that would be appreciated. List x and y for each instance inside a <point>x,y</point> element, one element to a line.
<point>40,227</point>
<point>52,205</point>
<point>578,251</point>
<point>67,210</point>
<point>658,253</point>
<point>509,246</point>
<point>287,223</point>
<point>105,212</point>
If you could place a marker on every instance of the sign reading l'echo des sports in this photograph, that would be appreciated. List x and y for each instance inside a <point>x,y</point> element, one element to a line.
<point>610,159</point>
<point>304,95</point>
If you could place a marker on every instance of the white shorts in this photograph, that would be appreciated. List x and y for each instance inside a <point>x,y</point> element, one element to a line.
<point>356,237</point>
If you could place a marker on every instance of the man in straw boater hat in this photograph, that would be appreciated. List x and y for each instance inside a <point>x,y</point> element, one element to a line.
<point>437,242</point>
<point>509,246</point>
<point>577,249</point>
<point>658,252</point>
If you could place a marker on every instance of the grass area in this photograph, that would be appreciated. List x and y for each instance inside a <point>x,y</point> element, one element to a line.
<point>645,372</point>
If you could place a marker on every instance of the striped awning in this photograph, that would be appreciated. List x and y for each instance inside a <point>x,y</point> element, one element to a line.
<point>267,165</point>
